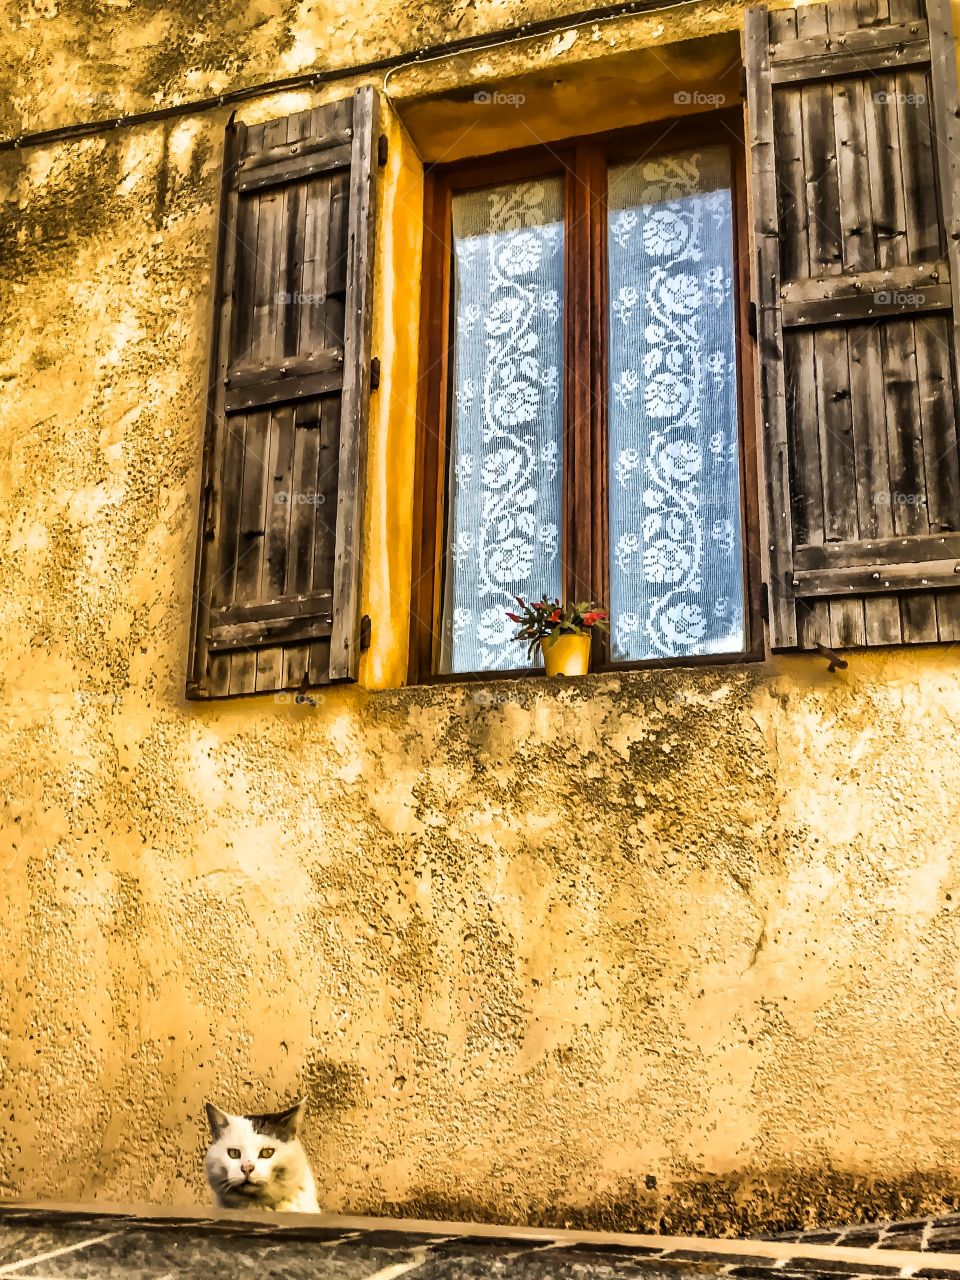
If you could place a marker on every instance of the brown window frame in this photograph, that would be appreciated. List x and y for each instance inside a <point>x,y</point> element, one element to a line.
<point>582,162</point>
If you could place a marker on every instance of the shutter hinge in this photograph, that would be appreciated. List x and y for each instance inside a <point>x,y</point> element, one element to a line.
<point>365,629</point>
<point>764,602</point>
<point>382,150</point>
<point>301,697</point>
<point>743,82</point>
<point>752,320</point>
<point>209,512</point>
<point>834,661</point>
<point>374,373</point>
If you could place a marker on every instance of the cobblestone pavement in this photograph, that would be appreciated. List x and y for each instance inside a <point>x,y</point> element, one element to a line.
<point>37,1243</point>
<point>940,1235</point>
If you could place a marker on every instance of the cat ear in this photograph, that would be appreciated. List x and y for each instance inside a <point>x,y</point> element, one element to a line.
<point>286,1124</point>
<point>217,1118</point>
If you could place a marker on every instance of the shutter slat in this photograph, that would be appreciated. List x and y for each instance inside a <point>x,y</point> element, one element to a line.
<point>288,346</point>
<point>871,12</point>
<point>324,547</point>
<point>299,147</point>
<point>878,551</point>
<point>276,518</point>
<point>824,257</point>
<point>282,391</point>
<point>904,441</point>
<point>286,606</point>
<point>877,545</point>
<point>345,643</point>
<point>270,632</point>
<point>924,235</point>
<point>286,171</point>
<point>856,213</point>
<point>230,480</point>
<point>858,301</point>
<point>221,447</point>
<point>294,366</point>
<point>830,46</point>
<point>886,169</point>
<point>902,279</point>
<point>779,532</point>
<point>269,553</point>
<point>273,570</point>
<point>813,67</point>
<point>306,519</point>
<point>926,575</point>
<point>838,468</point>
<point>946,100</point>
<point>848,618</point>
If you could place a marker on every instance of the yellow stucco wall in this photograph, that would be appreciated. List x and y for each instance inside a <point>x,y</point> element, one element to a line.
<point>663,948</point>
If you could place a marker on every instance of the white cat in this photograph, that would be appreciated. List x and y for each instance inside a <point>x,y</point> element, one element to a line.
<point>257,1162</point>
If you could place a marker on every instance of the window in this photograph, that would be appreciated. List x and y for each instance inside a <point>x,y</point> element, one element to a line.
<point>855,254</point>
<point>582,402</point>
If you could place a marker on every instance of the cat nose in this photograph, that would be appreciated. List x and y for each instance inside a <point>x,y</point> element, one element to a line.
<point>247,1166</point>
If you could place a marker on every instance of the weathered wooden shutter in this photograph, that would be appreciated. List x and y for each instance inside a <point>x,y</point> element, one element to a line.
<point>855,158</point>
<point>278,564</point>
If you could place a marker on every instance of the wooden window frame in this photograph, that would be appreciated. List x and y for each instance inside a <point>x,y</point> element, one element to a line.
<point>582,163</point>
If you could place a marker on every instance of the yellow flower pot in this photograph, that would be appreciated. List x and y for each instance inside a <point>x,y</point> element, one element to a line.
<point>566,654</point>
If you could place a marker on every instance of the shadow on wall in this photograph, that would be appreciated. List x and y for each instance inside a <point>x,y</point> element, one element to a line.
<point>732,1205</point>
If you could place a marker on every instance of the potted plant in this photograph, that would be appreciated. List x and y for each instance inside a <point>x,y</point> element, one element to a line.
<point>563,633</point>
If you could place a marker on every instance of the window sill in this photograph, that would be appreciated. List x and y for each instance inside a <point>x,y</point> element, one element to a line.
<point>698,663</point>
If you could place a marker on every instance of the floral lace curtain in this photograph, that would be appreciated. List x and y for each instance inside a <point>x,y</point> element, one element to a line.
<point>507,418</point>
<point>676,573</point>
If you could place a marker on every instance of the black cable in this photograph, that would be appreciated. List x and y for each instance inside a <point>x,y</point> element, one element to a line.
<point>311,79</point>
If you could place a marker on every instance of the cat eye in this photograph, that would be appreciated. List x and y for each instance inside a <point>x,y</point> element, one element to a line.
<point>233,1153</point>
<point>266,1152</point>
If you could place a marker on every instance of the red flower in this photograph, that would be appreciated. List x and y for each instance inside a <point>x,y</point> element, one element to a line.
<point>514,617</point>
<point>555,616</point>
<point>590,618</point>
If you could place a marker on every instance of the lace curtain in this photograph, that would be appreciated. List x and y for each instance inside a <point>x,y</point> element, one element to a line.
<point>676,573</point>
<point>503,537</point>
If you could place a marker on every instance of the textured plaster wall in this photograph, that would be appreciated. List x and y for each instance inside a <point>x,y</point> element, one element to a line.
<point>673,949</point>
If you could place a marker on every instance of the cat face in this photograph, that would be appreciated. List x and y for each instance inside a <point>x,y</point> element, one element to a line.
<point>253,1160</point>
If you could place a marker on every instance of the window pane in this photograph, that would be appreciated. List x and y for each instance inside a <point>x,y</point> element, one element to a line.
<point>503,537</point>
<point>676,571</point>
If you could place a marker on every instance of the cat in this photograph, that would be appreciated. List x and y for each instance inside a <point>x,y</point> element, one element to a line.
<point>257,1162</point>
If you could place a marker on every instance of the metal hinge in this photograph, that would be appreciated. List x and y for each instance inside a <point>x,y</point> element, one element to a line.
<point>210,511</point>
<point>834,661</point>
<point>743,82</point>
<point>374,373</point>
<point>764,602</point>
<point>382,150</point>
<point>752,320</point>
<point>365,629</point>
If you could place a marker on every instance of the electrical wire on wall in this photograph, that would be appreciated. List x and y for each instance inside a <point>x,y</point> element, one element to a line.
<point>313,79</point>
